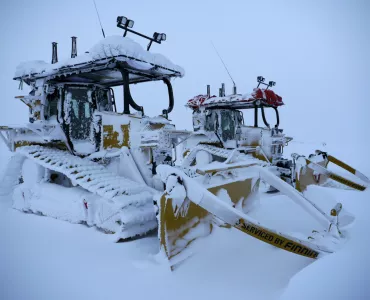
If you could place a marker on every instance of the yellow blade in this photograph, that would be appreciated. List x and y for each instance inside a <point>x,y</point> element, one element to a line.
<point>177,231</point>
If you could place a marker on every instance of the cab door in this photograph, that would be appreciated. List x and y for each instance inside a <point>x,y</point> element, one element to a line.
<point>80,118</point>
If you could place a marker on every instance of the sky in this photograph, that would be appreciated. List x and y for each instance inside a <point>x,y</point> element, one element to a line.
<point>316,51</point>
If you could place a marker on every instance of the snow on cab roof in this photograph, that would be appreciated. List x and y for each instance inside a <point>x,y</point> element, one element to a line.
<point>266,97</point>
<point>115,47</point>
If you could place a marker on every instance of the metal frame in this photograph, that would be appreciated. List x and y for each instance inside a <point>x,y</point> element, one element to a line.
<point>6,139</point>
<point>99,65</point>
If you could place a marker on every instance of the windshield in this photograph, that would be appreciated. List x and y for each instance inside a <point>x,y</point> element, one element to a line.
<point>227,125</point>
<point>103,100</point>
<point>211,120</point>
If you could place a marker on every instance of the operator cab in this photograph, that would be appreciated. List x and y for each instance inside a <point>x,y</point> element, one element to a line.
<point>77,96</point>
<point>222,117</point>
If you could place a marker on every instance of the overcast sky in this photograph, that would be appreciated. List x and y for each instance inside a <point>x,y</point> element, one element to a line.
<point>316,51</point>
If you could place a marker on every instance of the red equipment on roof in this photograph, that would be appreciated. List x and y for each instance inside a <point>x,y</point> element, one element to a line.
<point>267,97</point>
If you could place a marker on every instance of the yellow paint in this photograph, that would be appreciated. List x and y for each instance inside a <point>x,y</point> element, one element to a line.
<point>237,190</point>
<point>275,239</point>
<point>173,230</point>
<point>341,164</point>
<point>58,144</point>
<point>306,177</point>
<point>110,137</point>
<point>223,169</point>
<point>347,182</point>
<point>156,126</point>
<point>186,153</point>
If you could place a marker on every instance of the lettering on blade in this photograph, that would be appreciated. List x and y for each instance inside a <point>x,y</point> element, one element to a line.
<point>275,239</point>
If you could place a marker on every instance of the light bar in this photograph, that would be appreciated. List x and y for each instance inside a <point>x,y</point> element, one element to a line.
<point>125,22</point>
<point>159,37</point>
<point>260,79</point>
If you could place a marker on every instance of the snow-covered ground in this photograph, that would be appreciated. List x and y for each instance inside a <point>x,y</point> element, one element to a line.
<point>44,258</point>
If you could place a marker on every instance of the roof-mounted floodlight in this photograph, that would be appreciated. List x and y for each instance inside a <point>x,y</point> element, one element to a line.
<point>126,24</point>
<point>130,24</point>
<point>261,80</point>
<point>271,84</point>
<point>159,37</point>
<point>156,36</point>
<point>121,21</point>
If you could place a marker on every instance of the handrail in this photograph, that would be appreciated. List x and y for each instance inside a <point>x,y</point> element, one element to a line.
<point>127,98</point>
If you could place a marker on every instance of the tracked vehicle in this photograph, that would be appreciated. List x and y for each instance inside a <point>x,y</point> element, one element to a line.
<point>80,160</point>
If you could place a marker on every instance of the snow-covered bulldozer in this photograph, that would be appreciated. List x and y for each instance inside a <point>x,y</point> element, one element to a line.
<point>80,160</point>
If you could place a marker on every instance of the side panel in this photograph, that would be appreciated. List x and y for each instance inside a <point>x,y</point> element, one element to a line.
<point>116,139</point>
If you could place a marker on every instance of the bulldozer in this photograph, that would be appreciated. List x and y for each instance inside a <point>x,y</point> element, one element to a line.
<point>80,160</point>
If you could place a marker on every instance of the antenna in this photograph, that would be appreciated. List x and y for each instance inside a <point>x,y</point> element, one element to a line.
<point>54,58</point>
<point>234,87</point>
<point>101,26</point>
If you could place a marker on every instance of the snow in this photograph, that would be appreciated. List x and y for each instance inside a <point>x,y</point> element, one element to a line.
<point>267,96</point>
<point>344,274</point>
<point>44,258</point>
<point>111,46</point>
<point>31,67</point>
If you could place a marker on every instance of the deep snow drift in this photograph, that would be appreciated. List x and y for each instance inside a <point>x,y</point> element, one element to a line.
<point>43,258</point>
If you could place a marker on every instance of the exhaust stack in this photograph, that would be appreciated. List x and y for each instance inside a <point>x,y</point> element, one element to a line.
<point>54,58</point>
<point>74,47</point>
<point>208,90</point>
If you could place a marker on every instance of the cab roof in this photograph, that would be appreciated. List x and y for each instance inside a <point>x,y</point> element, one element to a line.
<point>259,97</point>
<point>98,65</point>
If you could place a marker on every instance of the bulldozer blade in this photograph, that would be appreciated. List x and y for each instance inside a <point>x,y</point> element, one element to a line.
<point>317,173</point>
<point>306,177</point>
<point>180,226</point>
<point>200,210</point>
<point>322,171</point>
